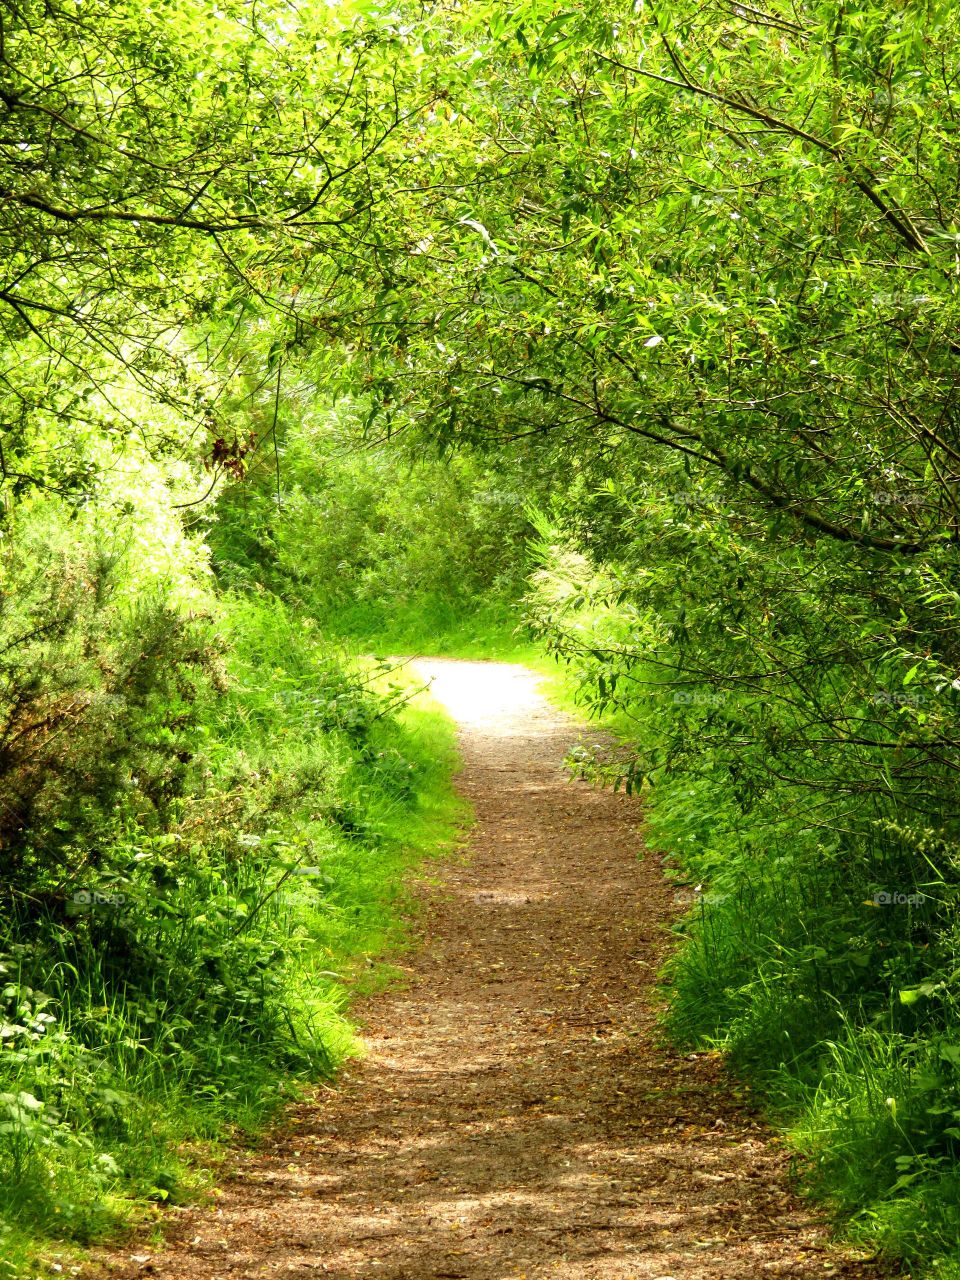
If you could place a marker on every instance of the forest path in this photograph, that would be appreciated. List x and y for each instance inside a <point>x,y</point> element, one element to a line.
<point>516,1115</point>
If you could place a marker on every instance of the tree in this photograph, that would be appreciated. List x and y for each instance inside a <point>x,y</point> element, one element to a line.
<point>171,181</point>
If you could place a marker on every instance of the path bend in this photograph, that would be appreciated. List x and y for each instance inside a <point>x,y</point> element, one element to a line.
<point>516,1114</point>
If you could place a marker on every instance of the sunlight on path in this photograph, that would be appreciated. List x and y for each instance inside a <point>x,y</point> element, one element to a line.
<point>487,696</point>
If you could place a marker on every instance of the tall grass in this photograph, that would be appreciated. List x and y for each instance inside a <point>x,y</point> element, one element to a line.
<point>819,948</point>
<point>198,971</point>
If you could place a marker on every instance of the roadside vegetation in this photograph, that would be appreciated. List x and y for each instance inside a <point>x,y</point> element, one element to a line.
<point>210,814</point>
<point>333,333</point>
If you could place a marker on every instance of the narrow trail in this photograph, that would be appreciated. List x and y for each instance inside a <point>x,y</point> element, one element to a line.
<point>516,1115</point>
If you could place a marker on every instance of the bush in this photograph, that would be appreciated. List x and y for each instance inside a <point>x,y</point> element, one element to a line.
<point>789,731</point>
<point>98,712</point>
<point>373,544</point>
<point>202,830</point>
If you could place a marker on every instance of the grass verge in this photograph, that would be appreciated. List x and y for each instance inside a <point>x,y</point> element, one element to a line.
<point>210,980</point>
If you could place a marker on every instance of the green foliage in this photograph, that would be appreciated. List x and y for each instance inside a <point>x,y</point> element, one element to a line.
<point>682,277</point>
<point>168,178</point>
<point>797,780</point>
<point>97,705</point>
<point>199,966</point>
<point>399,551</point>
<point>206,816</point>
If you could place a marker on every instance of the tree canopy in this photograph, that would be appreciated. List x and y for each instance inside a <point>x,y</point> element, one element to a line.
<point>639,320</point>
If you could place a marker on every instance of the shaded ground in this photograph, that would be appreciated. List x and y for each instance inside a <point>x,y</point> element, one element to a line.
<point>516,1115</point>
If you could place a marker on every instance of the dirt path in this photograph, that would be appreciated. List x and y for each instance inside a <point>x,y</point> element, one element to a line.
<point>515,1116</point>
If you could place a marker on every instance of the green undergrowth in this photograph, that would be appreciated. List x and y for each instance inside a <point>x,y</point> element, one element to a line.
<point>185,926</point>
<point>819,948</point>
<point>491,634</point>
<point>430,627</point>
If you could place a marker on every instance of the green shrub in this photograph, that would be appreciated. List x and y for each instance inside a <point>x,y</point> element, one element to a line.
<point>205,817</point>
<point>799,781</point>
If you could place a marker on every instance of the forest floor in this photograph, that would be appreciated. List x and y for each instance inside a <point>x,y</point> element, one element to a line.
<point>516,1114</point>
